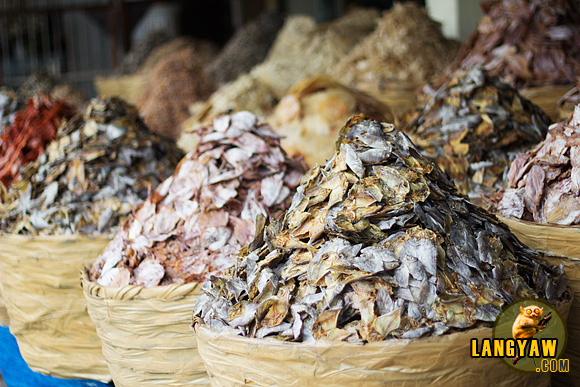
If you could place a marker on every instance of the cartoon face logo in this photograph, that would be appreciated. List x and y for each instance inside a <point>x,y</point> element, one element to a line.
<point>534,329</point>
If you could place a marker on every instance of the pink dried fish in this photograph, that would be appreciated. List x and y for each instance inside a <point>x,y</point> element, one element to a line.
<point>196,219</point>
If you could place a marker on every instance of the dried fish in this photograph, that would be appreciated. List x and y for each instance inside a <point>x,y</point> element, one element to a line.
<point>188,229</point>
<point>314,110</point>
<point>406,46</point>
<point>34,127</point>
<point>473,125</point>
<point>526,42</point>
<point>327,270</point>
<point>543,183</point>
<point>100,165</point>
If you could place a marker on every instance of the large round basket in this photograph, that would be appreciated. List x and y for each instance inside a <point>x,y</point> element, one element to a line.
<point>46,306</point>
<point>146,333</point>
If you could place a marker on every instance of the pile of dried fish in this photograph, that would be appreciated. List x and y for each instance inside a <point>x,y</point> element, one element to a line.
<point>189,228</point>
<point>10,103</point>
<point>304,49</point>
<point>100,165</point>
<point>377,244</point>
<point>313,112</point>
<point>526,42</point>
<point>34,127</point>
<point>473,126</point>
<point>406,46</point>
<point>248,47</point>
<point>174,84</point>
<point>543,184</point>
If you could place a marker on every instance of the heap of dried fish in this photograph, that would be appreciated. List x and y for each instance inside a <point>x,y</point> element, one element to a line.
<point>543,184</point>
<point>10,103</point>
<point>472,127</point>
<point>377,244</point>
<point>304,49</point>
<point>174,84</point>
<point>313,112</point>
<point>526,42</point>
<point>406,46</point>
<point>34,127</point>
<point>248,47</point>
<point>101,164</point>
<point>189,228</point>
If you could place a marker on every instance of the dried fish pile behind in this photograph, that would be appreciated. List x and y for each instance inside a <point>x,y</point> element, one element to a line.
<point>176,82</point>
<point>406,46</point>
<point>377,244</point>
<point>526,42</point>
<point>543,184</point>
<point>248,47</point>
<point>102,163</point>
<point>34,127</point>
<point>191,225</point>
<point>472,127</point>
<point>305,49</point>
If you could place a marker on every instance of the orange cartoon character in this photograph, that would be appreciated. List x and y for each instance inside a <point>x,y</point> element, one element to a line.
<point>528,323</point>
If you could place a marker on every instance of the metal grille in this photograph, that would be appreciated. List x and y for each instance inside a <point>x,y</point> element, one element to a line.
<point>73,40</point>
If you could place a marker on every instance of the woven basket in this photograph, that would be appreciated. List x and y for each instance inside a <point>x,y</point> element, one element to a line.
<point>146,333</point>
<point>48,313</point>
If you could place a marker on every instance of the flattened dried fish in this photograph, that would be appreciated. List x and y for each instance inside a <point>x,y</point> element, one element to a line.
<point>188,229</point>
<point>526,42</point>
<point>101,164</point>
<point>544,182</point>
<point>473,126</point>
<point>442,263</point>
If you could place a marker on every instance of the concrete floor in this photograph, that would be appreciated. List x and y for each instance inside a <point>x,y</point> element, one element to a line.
<point>2,384</point>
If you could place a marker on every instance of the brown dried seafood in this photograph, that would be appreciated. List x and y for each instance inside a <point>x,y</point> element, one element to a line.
<point>100,165</point>
<point>174,83</point>
<point>376,244</point>
<point>313,112</point>
<point>472,127</point>
<point>526,42</point>
<point>543,184</point>
<point>189,228</point>
<point>406,46</point>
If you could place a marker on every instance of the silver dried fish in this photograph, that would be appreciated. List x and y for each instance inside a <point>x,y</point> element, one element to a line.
<point>327,268</point>
<point>101,164</point>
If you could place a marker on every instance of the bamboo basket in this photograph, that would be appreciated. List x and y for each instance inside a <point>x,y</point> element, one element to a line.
<point>546,97</point>
<point>48,313</point>
<point>146,333</point>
